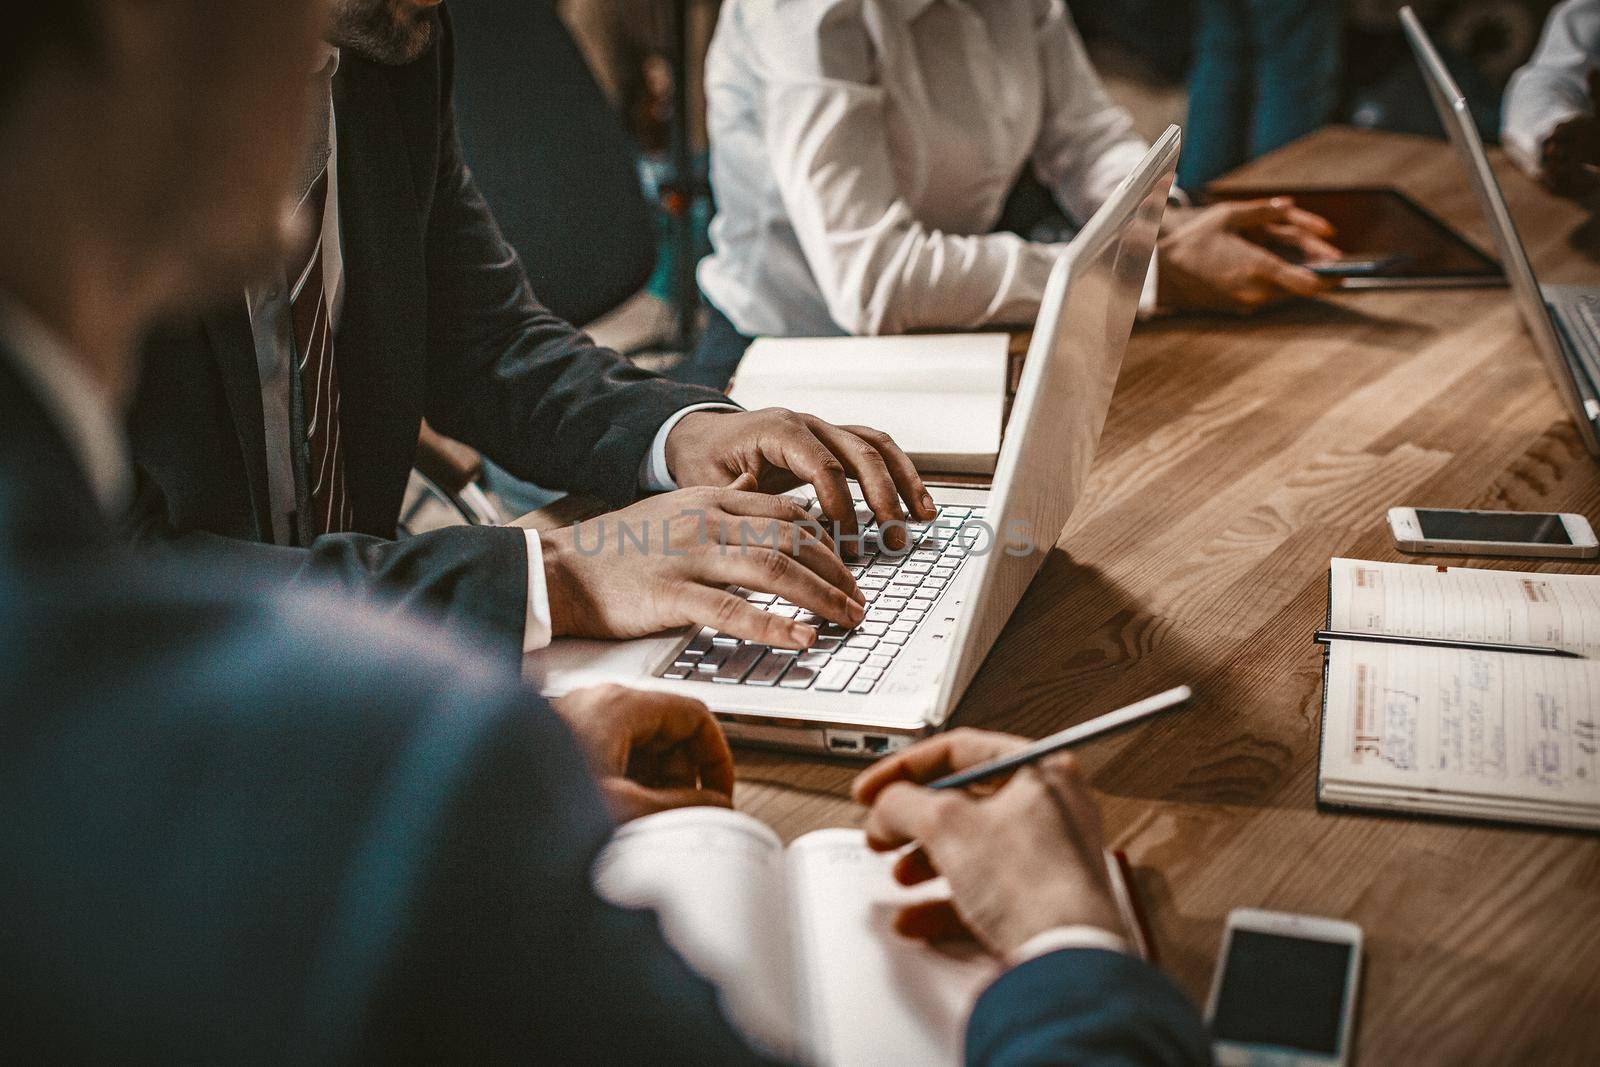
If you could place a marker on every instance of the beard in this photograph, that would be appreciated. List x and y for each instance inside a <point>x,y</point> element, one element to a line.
<point>383,31</point>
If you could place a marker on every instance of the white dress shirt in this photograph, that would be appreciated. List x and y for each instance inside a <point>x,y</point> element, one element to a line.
<point>1553,86</point>
<point>862,151</point>
<point>75,401</point>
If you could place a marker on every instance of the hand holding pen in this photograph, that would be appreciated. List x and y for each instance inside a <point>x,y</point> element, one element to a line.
<point>1009,823</point>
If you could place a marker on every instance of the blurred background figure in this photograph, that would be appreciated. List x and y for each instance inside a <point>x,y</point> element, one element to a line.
<point>1549,123</point>
<point>1264,73</point>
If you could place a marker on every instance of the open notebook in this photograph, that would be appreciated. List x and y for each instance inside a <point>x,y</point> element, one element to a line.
<point>942,397</point>
<point>1488,735</point>
<point>800,940</point>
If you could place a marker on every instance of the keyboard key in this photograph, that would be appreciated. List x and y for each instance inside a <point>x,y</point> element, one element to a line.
<point>943,572</point>
<point>879,658</point>
<point>879,615</point>
<point>850,655</point>
<point>826,644</point>
<point>880,570</point>
<point>863,685</point>
<point>700,645</point>
<point>798,677</point>
<point>769,670</point>
<point>872,583</point>
<point>714,658</point>
<point>902,626</point>
<point>862,641</point>
<point>921,602</point>
<point>873,629</point>
<point>737,665</point>
<point>902,589</point>
<point>894,638</point>
<point>761,598</point>
<point>872,674</point>
<point>677,671</point>
<point>931,582</point>
<point>835,676</point>
<point>911,566</point>
<point>890,603</point>
<point>913,614</point>
<point>788,611</point>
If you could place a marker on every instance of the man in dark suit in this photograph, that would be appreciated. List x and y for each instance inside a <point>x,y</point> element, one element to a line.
<point>264,828</point>
<point>290,470</point>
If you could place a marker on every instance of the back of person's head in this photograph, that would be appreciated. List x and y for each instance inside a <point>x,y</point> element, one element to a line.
<point>173,130</point>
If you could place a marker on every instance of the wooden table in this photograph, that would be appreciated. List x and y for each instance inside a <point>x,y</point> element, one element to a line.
<point>1239,456</point>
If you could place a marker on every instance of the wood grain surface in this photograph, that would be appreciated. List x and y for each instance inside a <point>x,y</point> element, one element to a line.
<point>1239,456</point>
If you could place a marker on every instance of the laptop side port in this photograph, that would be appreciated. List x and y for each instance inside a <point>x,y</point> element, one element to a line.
<point>843,742</point>
<point>876,744</point>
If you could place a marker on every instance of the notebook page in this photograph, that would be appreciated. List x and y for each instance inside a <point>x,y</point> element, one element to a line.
<point>1488,724</point>
<point>937,396</point>
<point>1467,603</point>
<point>945,363</point>
<point>870,996</point>
<point>717,879</point>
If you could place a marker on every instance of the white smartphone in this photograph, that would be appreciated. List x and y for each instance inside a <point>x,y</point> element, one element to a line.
<point>1284,992</point>
<point>1493,533</point>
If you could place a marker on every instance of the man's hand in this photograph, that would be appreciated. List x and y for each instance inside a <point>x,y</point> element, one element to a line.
<point>650,751</point>
<point>1216,258</point>
<point>663,562</point>
<point>782,449</point>
<point>1572,150</point>
<point>1021,858</point>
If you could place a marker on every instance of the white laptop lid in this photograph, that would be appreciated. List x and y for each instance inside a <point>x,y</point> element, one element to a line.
<point>1454,114</point>
<point>1060,408</point>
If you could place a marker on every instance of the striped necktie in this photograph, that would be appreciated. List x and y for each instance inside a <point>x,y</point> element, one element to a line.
<point>328,507</point>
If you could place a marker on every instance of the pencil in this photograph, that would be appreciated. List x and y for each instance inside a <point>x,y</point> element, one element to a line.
<point>1326,636</point>
<point>1072,735</point>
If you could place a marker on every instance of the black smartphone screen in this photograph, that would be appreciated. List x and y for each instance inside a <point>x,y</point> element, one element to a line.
<point>1287,992</point>
<point>1505,526</point>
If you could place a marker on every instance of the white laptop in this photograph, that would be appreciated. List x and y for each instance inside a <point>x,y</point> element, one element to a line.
<point>935,609</point>
<point>1564,320</point>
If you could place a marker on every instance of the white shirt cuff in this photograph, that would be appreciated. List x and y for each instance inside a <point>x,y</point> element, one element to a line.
<point>536,630</point>
<point>1065,937</point>
<point>1147,299</point>
<point>654,476</point>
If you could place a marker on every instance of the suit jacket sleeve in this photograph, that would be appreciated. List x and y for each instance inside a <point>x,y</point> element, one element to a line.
<point>472,578</point>
<point>1085,1006</point>
<point>508,377</point>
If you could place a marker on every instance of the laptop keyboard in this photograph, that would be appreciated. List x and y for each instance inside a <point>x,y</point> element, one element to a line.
<point>900,586</point>
<point>1579,320</point>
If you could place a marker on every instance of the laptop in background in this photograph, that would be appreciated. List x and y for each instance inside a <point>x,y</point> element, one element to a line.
<point>1564,320</point>
<point>935,611</point>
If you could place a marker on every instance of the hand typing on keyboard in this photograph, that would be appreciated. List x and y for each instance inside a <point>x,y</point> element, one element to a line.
<point>667,561</point>
<point>900,587</point>
<point>784,449</point>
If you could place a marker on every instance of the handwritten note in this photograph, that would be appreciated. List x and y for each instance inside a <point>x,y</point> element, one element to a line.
<point>1489,724</point>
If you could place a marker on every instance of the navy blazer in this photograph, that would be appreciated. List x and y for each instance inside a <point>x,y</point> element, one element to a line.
<point>262,828</point>
<point>438,322</point>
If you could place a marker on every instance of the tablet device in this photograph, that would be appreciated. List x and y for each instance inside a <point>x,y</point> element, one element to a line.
<point>1404,245</point>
